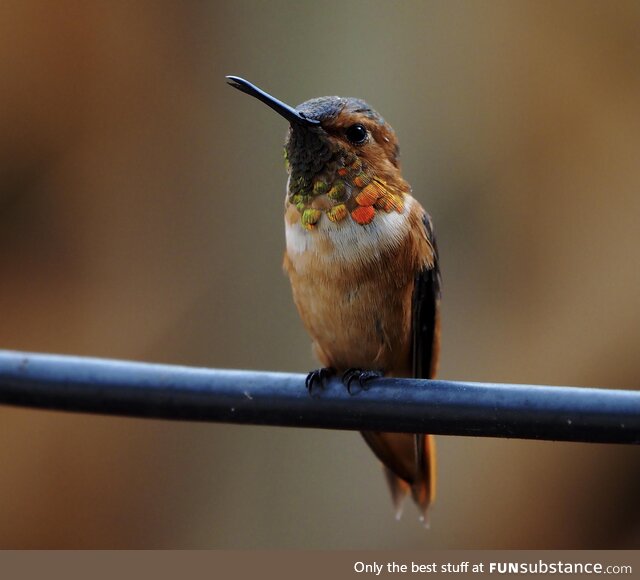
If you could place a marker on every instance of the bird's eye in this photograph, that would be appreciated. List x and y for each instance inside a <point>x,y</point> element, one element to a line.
<point>357,134</point>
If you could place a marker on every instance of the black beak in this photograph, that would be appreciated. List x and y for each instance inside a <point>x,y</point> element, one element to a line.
<point>289,113</point>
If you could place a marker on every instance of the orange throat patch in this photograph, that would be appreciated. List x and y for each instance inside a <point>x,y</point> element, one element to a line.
<point>352,191</point>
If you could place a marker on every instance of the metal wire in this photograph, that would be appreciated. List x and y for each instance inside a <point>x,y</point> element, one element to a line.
<point>136,389</point>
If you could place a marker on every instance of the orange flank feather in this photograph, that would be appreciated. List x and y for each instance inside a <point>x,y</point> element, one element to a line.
<point>361,180</point>
<point>370,194</point>
<point>363,214</point>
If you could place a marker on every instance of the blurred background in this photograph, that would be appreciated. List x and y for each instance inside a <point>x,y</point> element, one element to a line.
<point>141,218</point>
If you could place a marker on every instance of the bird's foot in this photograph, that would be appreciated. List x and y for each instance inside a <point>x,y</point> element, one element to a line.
<point>360,377</point>
<point>318,379</point>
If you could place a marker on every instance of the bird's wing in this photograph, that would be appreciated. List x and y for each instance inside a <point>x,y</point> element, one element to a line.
<point>409,459</point>
<point>425,330</point>
<point>425,316</point>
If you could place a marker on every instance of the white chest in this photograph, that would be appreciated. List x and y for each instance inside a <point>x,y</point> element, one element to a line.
<point>346,241</point>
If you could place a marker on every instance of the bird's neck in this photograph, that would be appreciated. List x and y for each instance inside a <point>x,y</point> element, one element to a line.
<point>346,188</point>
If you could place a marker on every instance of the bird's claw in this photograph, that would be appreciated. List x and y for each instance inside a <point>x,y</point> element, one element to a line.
<point>359,376</point>
<point>318,378</point>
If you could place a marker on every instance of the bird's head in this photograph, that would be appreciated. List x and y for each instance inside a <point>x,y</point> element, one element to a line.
<point>342,158</point>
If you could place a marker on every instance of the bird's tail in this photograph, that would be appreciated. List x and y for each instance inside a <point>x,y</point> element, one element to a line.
<point>410,466</point>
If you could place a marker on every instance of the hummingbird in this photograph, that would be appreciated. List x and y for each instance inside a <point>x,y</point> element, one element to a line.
<point>362,260</point>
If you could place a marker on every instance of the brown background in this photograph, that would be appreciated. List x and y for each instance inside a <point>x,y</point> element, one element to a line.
<point>285,564</point>
<point>140,218</point>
